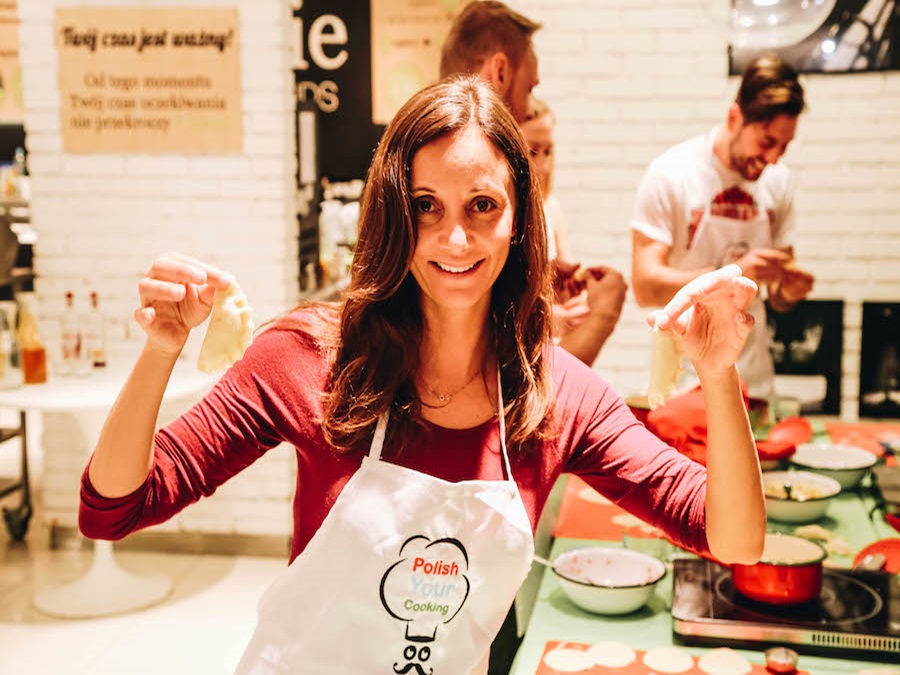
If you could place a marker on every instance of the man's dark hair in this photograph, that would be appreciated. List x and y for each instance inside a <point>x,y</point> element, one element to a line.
<point>769,88</point>
<point>483,28</point>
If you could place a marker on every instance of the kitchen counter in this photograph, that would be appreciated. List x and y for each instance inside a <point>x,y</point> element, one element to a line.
<point>556,618</point>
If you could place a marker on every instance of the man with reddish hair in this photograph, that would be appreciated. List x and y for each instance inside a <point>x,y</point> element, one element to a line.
<point>491,40</point>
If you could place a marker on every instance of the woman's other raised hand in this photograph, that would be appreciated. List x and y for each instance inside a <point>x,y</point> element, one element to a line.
<point>709,316</point>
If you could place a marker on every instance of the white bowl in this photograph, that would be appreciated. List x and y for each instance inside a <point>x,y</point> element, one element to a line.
<point>846,464</point>
<point>608,580</point>
<point>810,495</point>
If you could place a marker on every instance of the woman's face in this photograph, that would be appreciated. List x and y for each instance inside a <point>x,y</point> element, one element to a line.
<point>539,136</point>
<point>464,206</point>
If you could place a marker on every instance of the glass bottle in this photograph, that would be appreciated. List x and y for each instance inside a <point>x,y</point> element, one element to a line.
<point>75,359</point>
<point>33,353</point>
<point>19,171</point>
<point>94,338</point>
<point>10,368</point>
<point>70,336</point>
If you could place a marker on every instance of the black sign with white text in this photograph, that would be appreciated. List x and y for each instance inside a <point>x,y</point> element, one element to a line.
<point>332,75</point>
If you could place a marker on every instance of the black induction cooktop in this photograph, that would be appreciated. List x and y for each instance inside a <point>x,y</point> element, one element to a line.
<point>857,614</point>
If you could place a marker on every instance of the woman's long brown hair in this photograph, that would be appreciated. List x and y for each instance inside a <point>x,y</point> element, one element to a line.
<point>380,320</point>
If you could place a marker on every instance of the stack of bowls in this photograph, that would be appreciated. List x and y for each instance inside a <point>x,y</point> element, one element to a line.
<point>845,463</point>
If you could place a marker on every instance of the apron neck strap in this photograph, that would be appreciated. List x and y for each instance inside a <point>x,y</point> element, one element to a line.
<point>381,427</point>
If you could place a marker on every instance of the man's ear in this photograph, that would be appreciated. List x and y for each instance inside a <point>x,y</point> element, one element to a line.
<point>498,71</point>
<point>735,118</point>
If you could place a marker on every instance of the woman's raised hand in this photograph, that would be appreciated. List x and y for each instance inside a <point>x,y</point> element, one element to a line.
<point>710,317</point>
<point>176,295</point>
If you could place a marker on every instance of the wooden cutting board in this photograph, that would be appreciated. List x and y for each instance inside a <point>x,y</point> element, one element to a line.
<point>636,667</point>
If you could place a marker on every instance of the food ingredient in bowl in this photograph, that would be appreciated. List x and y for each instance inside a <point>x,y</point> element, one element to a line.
<point>798,496</point>
<point>668,660</point>
<point>724,661</point>
<point>612,654</point>
<point>798,492</point>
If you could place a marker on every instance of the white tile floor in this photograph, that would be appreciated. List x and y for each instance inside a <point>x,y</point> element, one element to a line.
<point>201,628</point>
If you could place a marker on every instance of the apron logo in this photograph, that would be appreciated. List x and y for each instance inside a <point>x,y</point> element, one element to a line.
<point>425,588</point>
<point>410,653</point>
<point>734,203</point>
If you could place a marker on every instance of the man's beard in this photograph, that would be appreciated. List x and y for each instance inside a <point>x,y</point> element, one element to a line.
<point>750,168</point>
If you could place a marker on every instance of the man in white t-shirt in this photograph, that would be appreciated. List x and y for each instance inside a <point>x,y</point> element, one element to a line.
<point>722,198</point>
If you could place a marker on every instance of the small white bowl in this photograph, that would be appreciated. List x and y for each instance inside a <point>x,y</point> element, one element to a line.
<point>608,580</point>
<point>845,463</point>
<point>810,495</point>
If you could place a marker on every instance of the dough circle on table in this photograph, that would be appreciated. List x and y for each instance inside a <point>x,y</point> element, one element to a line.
<point>668,660</point>
<point>627,520</point>
<point>665,367</point>
<point>591,495</point>
<point>724,661</point>
<point>612,654</point>
<point>230,330</point>
<point>568,660</point>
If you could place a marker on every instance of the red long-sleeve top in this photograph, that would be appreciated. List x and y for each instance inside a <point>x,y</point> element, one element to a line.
<point>274,395</point>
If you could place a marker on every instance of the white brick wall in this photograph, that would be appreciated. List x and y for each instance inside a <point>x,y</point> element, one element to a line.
<point>101,220</point>
<point>628,78</point>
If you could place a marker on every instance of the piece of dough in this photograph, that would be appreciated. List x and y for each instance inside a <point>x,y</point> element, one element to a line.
<point>627,520</point>
<point>568,660</point>
<point>590,495</point>
<point>724,661</point>
<point>814,532</point>
<point>668,660</point>
<point>230,330</point>
<point>839,546</point>
<point>612,654</point>
<point>665,367</point>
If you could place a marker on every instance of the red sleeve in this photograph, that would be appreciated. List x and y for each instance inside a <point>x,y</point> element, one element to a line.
<point>269,396</point>
<point>616,454</point>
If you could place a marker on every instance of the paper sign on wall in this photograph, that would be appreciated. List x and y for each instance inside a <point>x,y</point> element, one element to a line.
<point>12,110</point>
<point>149,79</point>
<point>406,49</point>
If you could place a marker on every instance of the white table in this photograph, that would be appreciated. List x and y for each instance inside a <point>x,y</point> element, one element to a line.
<point>105,588</point>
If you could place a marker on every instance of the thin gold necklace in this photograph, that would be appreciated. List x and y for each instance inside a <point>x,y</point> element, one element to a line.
<point>447,398</point>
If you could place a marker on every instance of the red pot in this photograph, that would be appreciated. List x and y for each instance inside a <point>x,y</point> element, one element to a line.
<point>789,572</point>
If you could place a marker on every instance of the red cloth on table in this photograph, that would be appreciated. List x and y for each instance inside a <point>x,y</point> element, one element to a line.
<point>681,422</point>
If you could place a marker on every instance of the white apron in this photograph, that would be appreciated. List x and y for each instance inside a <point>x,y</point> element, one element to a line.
<point>408,573</point>
<point>719,241</point>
